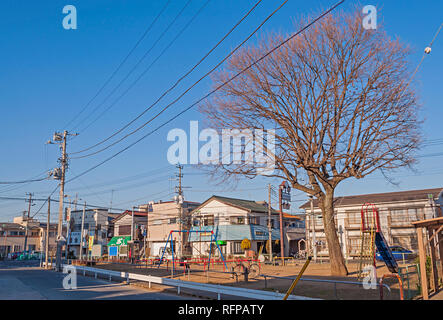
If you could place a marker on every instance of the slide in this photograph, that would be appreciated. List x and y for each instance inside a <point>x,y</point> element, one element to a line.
<point>385,252</point>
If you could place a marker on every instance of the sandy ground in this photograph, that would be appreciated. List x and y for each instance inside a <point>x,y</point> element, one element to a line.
<point>315,271</point>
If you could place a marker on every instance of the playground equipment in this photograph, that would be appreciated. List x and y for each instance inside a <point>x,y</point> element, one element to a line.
<point>372,238</point>
<point>171,241</point>
<point>294,283</point>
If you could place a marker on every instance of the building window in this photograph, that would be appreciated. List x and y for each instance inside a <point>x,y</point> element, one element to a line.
<point>236,247</point>
<point>124,230</point>
<point>208,220</point>
<point>254,220</point>
<point>237,220</point>
<point>172,220</point>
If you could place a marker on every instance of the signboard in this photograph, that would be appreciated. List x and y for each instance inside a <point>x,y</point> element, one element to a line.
<point>123,251</point>
<point>113,251</point>
<point>221,242</point>
<point>91,242</point>
<point>96,251</point>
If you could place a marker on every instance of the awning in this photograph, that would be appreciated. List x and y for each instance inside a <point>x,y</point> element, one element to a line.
<point>119,241</point>
<point>294,236</point>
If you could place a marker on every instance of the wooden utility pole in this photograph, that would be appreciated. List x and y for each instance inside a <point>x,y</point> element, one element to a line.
<point>63,164</point>
<point>282,251</point>
<point>269,222</point>
<point>81,232</point>
<point>47,233</point>
<point>314,241</point>
<point>27,221</point>
<point>180,215</point>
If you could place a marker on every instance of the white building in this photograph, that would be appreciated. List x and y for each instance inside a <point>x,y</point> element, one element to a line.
<point>95,229</point>
<point>396,212</point>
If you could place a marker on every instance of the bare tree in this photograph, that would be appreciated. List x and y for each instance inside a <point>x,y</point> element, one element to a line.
<point>339,100</point>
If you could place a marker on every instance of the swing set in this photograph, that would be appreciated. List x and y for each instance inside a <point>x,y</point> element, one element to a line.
<point>171,241</point>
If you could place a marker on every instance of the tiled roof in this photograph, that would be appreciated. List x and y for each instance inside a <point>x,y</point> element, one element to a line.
<point>249,205</point>
<point>375,198</point>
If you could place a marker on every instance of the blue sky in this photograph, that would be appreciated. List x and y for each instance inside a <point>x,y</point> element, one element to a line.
<point>48,74</point>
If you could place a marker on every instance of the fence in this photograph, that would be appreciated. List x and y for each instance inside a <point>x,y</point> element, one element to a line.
<point>180,284</point>
<point>410,277</point>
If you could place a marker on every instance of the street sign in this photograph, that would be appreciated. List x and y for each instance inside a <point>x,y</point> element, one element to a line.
<point>113,251</point>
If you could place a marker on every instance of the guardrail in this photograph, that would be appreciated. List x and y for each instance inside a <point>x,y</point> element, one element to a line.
<point>179,284</point>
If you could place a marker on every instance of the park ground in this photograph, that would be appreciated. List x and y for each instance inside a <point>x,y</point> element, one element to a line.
<point>306,287</point>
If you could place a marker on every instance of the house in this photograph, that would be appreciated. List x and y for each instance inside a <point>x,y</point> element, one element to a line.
<point>164,217</point>
<point>397,211</point>
<point>232,220</point>
<point>12,236</point>
<point>95,230</point>
<point>125,224</point>
<point>295,234</point>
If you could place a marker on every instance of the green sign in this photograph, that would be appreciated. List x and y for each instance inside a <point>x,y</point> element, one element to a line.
<point>119,241</point>
<point>221,242</point>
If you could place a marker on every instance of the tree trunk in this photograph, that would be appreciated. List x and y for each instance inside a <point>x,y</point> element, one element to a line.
<point>338,266</point>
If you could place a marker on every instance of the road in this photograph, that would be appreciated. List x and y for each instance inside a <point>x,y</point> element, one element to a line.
<point>26,281</point>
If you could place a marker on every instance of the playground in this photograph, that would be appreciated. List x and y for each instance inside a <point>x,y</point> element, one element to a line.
<point>316,281</point>
<point>368,278</point>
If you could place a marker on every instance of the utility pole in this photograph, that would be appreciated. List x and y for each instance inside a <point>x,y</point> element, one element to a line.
<point>180,201</point>
<point>132,235</point>
<point>284,194</point>
<point>269,222</point>
<point>81,232</point>
<point>47,233</point>
<point>282,251</point>
<point>59,174</point>
<point>314,244</point>
<point>27,220</point>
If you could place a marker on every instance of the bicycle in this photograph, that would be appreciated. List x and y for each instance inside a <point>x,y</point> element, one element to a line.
<point>253,268</point>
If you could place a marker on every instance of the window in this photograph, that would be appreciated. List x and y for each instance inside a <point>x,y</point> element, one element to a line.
<point>237,220</point>
<point>172,220</point>
<point>272,223</point>
<point>208,220</point>
<point>236,247</point>
<point>124,230</point>
<point>254,220</point>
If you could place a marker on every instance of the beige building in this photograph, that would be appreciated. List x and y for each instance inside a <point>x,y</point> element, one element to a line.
<point>164,217</point>
<point>397,211</point>
<point>12,236</point>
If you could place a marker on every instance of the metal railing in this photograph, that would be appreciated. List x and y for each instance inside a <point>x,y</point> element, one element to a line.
<point>179,284</point>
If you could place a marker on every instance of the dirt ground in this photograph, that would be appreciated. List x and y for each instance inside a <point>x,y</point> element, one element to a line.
<point>305,287</point>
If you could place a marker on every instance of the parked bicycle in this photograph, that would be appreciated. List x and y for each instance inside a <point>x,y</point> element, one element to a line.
<point>252,267</point>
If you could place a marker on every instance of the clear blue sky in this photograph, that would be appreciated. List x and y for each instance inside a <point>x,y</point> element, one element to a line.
<point>48,74</point>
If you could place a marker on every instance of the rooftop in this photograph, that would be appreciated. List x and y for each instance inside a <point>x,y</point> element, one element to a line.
<point>410,195</point>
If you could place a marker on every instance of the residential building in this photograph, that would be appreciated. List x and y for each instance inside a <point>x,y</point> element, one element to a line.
<point>124,224</point>
<point>95,230</point>
<point>232,220</point>
<point>396,212</point>
<point>12,236</point>
<point>295,233</point>
<point>164,217</point>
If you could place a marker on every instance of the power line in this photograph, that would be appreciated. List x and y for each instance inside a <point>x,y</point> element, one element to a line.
<point>176,83</point>
<point>187,90</point>
<point>135,66</point>
<point>121,63</point>
<point>214,90</point>
<point>146,69</point>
